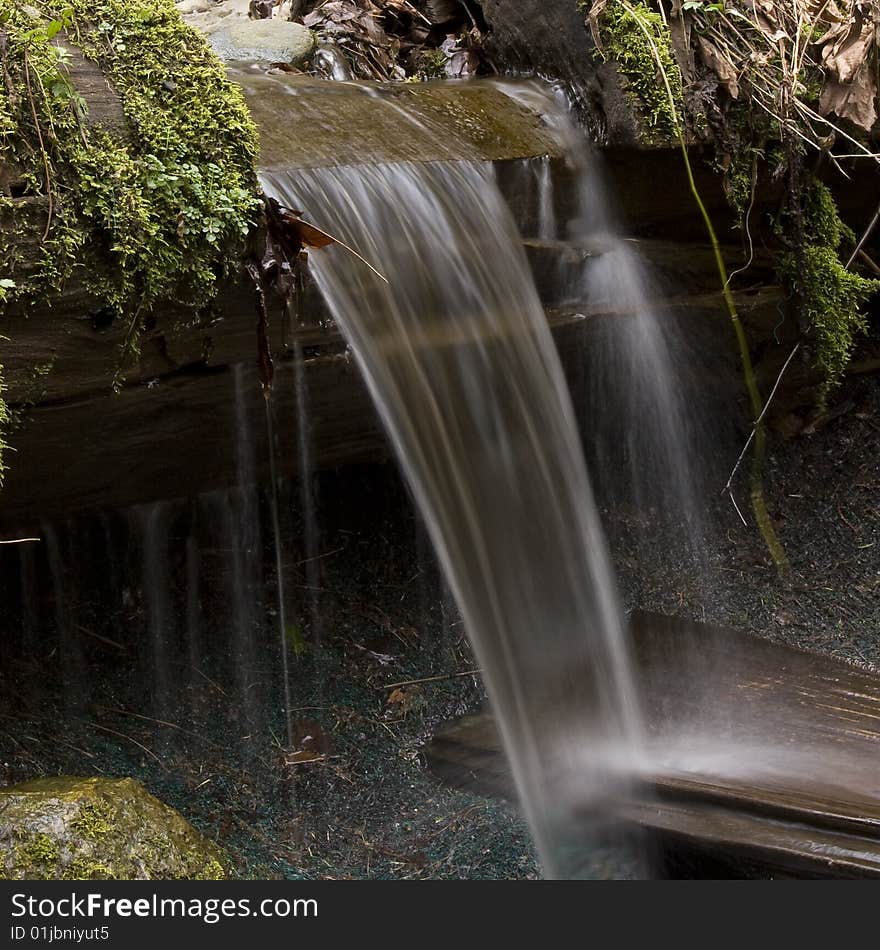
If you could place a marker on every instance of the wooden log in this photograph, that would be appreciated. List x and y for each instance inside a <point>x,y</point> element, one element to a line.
<point>762,758</point>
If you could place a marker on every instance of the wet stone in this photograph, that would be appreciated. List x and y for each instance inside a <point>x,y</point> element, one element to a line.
<point>265,41</point>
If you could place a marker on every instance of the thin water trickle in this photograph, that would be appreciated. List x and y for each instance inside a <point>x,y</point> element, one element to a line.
<point>547,226</point>
<point>195,632</point>
<point>307,501</point>
<point>29,616</point>
<point>240,525</point>
<point>156,583</point>
<point>458,356</point>
<point>70,658</point>
<point>281,603</point>
<point>632,377</point>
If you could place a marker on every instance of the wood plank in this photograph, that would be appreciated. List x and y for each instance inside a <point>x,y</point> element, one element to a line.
<point>757,752</point>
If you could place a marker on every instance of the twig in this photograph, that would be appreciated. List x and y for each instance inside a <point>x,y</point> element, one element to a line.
<point>863,257</point>
<point>216,685</point>
<point>20,540</point>
<point>429,679</point>
<point>760,419</point>
<point>865,237</point>
<point>122,735</point>
<point>97,636</point>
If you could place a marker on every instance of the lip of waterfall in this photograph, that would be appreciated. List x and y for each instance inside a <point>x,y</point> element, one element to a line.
<point>485,433</point>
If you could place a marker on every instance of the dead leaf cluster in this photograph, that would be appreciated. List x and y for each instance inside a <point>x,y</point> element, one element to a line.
<point>808,64</point>
<point>397,39</point>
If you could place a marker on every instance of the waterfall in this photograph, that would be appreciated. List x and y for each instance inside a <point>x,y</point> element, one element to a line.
<point>457,353</point>
<point>639,421</point>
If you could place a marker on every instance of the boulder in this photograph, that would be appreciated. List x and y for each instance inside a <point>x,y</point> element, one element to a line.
<point>98,829</point>
<point>265,41</point>
<point>551,38</point>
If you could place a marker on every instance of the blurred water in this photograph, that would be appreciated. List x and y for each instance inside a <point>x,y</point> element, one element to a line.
<point>639,418</point>
<point>457,353</point>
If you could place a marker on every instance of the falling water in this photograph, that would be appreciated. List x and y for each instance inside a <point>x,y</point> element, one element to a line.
<point>281,601</point>
<point>639,435</point>
<point>157,604</point>
<point>29,616</point>
<point>458,356</point>
<point>547,228</point>
<point>70,656</point>
<point>194,609</point>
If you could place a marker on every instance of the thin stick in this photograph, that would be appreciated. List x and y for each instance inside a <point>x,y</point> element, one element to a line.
<point>98,637</point>
<point>216,686</point>
<point>122,735</point>
<point>865,237</point>
<point>20,540</point>
<point>760,419</point>
<point>429,679</point>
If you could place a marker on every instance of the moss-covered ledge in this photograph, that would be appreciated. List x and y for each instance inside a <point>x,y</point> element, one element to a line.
<point>150,209</point>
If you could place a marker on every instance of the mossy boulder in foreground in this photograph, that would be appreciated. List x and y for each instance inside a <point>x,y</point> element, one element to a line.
<point>98,828</point>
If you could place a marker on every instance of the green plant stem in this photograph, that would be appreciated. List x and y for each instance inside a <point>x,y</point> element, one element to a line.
<point>756,479</point>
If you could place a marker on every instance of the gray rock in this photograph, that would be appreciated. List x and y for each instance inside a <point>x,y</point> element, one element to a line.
<point>265,41</point>
<point>551,38</point>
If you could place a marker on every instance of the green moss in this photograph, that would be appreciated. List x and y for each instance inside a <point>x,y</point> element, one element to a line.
<point>623,40</point>
<point>81,869</point>
<point>88,829</point>
<point>39,855</point>
<point>831,295</point>
<point>156,211</point>
<point>94,819</point>
<point>213,870</point>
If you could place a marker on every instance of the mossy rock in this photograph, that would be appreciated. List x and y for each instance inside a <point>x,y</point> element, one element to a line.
<point>98,829</point>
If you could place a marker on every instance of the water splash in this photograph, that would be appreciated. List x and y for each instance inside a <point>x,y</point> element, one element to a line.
<point>458,356</point>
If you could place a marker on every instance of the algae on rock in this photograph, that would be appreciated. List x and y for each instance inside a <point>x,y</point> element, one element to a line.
<point>98,828</point>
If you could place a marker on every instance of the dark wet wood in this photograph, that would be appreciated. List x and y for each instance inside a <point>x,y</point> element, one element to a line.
<point>766,757</point>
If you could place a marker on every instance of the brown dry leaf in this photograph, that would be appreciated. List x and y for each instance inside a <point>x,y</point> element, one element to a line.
<point>720,65</point>
<point>854,101</point>
<point>845,48</point>
<point>765,16</point>
<point>310,235</point>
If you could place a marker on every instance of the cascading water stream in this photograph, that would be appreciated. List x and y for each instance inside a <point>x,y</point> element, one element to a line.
<point>458,356</point>
<point>639,435</point>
